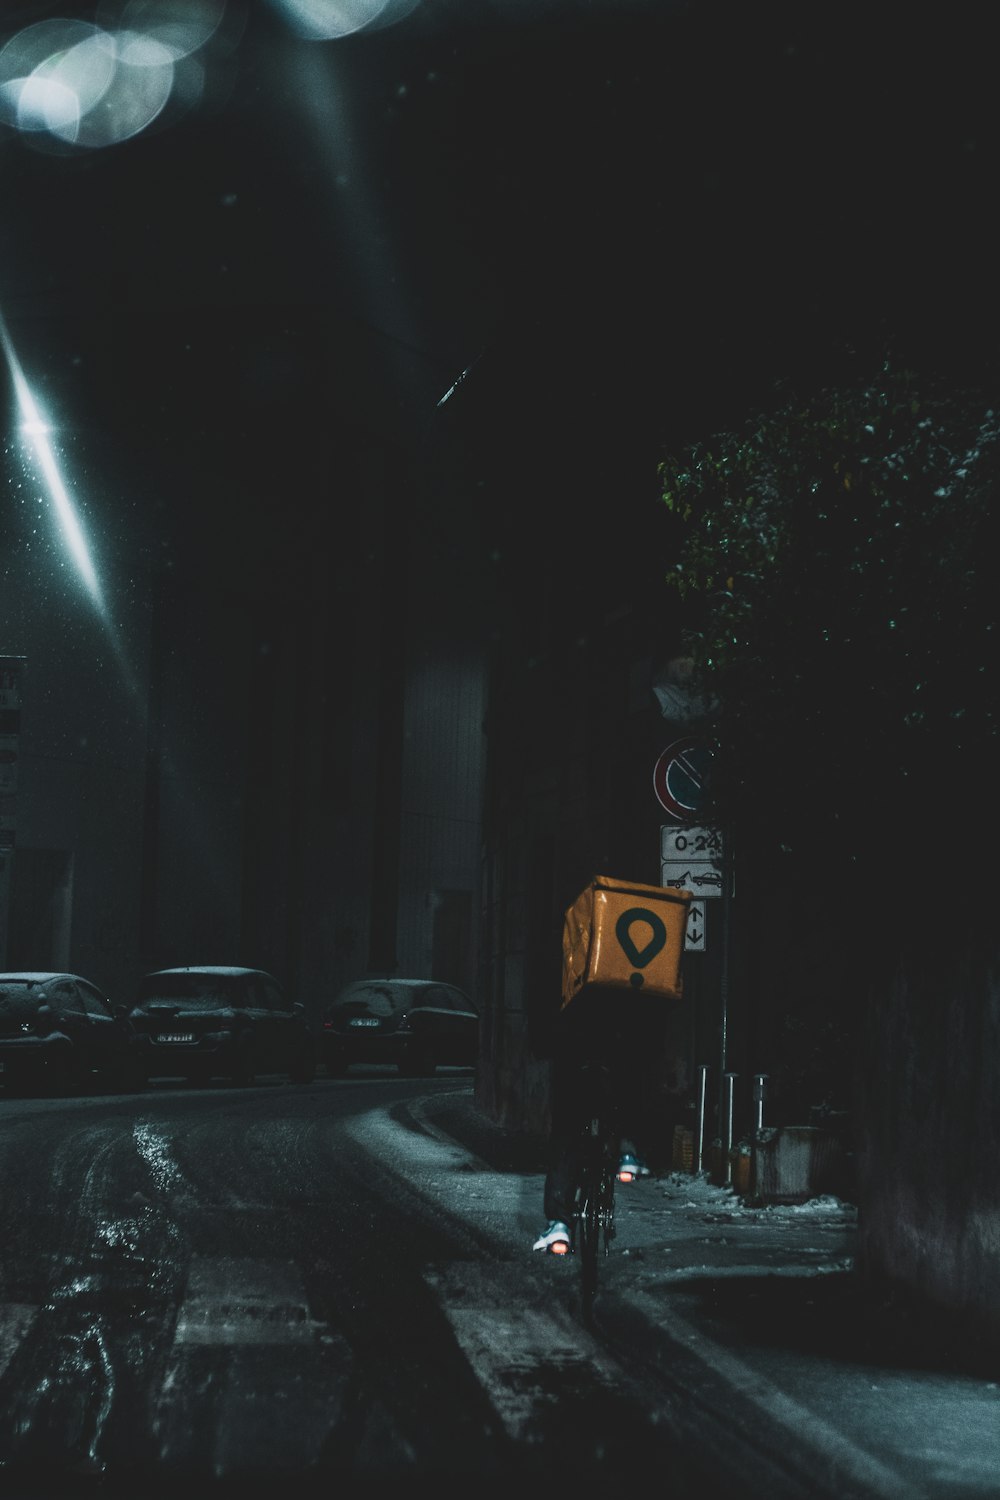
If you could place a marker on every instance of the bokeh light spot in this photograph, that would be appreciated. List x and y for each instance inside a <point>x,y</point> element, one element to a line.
<point>326,20</point>
<point>181,26</point>
<point>74,83</point>
<point>46,104</point>
<point>141,85</point>
<point>31,89</point>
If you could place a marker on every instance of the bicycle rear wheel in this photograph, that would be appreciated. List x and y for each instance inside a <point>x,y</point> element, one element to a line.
<point>595,1212</point>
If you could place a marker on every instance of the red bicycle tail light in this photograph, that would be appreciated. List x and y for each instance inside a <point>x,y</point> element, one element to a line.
<point>625,1175</point>
<point>560,1247</point>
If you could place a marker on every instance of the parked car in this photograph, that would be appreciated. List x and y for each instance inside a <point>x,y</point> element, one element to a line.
<point>415,1023</point>
<point>221,1021</point>
<point>59,1033</point>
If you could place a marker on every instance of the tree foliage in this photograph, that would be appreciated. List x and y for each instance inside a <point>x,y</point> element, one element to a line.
<point>836,567</point>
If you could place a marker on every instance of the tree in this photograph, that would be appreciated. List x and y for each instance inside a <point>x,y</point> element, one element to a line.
<point>837,572</point>
<point>835,568</point>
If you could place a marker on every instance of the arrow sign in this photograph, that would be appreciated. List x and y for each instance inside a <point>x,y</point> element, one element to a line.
<point>694,935</point>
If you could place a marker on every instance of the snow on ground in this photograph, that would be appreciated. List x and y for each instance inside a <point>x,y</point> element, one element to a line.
<point>694,1192</point>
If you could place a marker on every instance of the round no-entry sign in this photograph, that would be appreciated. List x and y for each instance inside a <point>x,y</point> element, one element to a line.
<point>679,777</point>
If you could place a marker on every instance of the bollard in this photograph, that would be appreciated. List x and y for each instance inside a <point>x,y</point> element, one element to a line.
<point>759,1094</point>
<point>727,1138</point>
<point>699,1136</point>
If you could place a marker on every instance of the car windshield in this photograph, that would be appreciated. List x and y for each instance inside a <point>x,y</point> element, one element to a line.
<point>390,999</point>
<point>189,991</point>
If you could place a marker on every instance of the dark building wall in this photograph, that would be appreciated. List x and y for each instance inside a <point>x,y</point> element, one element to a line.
<point>582,625</point>
<point>776,989</point>
<point>574,733</point>
<point>929,1125</point>
<point>275,756</point>
<point>74,886</point>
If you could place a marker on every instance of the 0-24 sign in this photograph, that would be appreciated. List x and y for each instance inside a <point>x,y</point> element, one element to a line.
<point>691,859</point>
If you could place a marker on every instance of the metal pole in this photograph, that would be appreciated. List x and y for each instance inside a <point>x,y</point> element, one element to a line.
<point>725,903</point>
<point>699,1141</point>
<point>759,1081</point>
<point>727,1137</point>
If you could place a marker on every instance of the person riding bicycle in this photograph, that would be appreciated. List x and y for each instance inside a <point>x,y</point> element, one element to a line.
<point>623,1033</point>
<point>622,943</point>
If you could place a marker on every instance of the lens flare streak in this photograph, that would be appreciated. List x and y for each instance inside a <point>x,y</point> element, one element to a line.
<point>35,432</point>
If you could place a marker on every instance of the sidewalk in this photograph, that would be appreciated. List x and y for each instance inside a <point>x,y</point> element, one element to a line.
<point>677,1224</point>
<point>678,1229</point>
<point>759,1315</point>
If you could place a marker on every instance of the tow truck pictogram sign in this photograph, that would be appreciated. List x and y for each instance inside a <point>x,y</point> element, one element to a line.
<point>691,859</point>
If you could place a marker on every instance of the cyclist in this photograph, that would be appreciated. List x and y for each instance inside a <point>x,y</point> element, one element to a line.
<point>625,1033</point>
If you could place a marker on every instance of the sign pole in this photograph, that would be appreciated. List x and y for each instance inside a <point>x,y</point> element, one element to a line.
<point>726,904</point>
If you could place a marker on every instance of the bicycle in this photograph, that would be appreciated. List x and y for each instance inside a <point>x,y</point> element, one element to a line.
<point>593,1223</point>
<point>586,1162</point>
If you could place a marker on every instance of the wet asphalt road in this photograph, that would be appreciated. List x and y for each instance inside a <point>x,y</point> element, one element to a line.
<point>204,1289</point>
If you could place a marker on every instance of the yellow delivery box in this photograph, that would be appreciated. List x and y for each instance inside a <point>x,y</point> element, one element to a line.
<point>625,935</point>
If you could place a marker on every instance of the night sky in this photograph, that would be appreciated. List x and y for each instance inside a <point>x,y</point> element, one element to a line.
<point>625,219</point>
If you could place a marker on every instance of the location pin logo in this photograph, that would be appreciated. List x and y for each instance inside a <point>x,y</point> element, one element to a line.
<point>640,956</point>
